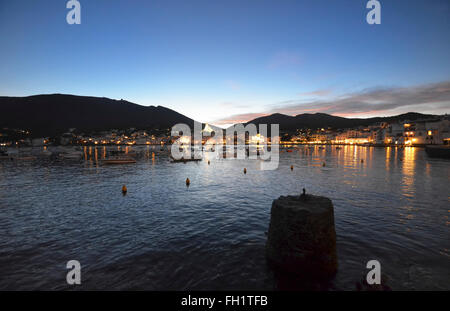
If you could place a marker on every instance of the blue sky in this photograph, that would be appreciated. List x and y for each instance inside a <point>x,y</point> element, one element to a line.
<point>226,61</point>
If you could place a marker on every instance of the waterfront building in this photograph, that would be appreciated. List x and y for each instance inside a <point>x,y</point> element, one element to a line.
<point>414,133</point>
<point>394,133</point>
<point>438,132</point>
<point>354,136</point>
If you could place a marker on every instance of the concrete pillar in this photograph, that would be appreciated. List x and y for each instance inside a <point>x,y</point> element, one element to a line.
<point>302,236</point>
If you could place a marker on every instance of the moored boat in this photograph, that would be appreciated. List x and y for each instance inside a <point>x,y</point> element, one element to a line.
<point>119,161</point>
<point>25,158</point>
<point>4,155</point>
<point>71,156</point>
<point>119,157</point>
<point>183,160</point>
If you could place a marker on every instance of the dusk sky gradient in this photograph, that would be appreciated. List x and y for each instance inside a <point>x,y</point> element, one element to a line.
<point>228,61</point>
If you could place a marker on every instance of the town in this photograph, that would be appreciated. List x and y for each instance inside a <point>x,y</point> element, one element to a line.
<point>434,131</point>
<point>428,131</point>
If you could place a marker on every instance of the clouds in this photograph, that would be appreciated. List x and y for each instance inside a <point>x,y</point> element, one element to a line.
<point>319,93</point>
<point>374,101</point>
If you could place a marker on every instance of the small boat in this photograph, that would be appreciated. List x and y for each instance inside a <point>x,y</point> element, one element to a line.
<point>289,150</point>
<point>183,160</point>
<point>4,155</point>
<point>119,157</point>
<point>71,156</point>
<point>25,158</point>
<point>438,151</point>
<point>118,161</point>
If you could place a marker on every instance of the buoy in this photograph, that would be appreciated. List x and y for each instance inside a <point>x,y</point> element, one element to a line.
<point>292,167</point>
<point>323,164</point>
<point>124,189</point>
<point>188,182</point>
<point>245,170</point>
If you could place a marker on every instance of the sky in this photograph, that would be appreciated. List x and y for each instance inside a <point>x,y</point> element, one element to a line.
<point>231,61</point>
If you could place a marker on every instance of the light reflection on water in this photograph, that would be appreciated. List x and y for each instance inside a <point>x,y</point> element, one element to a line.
<point>392,207</point>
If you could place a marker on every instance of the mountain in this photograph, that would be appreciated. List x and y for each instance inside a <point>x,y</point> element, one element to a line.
<point>47,115</point>
<point>323,120</point>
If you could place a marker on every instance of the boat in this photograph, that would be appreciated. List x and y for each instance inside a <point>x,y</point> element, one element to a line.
<point>442,151</point>
<point>4,155</point>
<point>183,160</point>
<point>118,157</point>
<point>118,161</point>
<point>25,158</point>
<point>71,156</point>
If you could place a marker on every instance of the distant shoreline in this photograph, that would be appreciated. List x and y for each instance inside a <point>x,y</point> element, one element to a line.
<point>282,145</point>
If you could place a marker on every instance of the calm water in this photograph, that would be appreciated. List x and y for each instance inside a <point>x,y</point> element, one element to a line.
<point>394,207</point>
